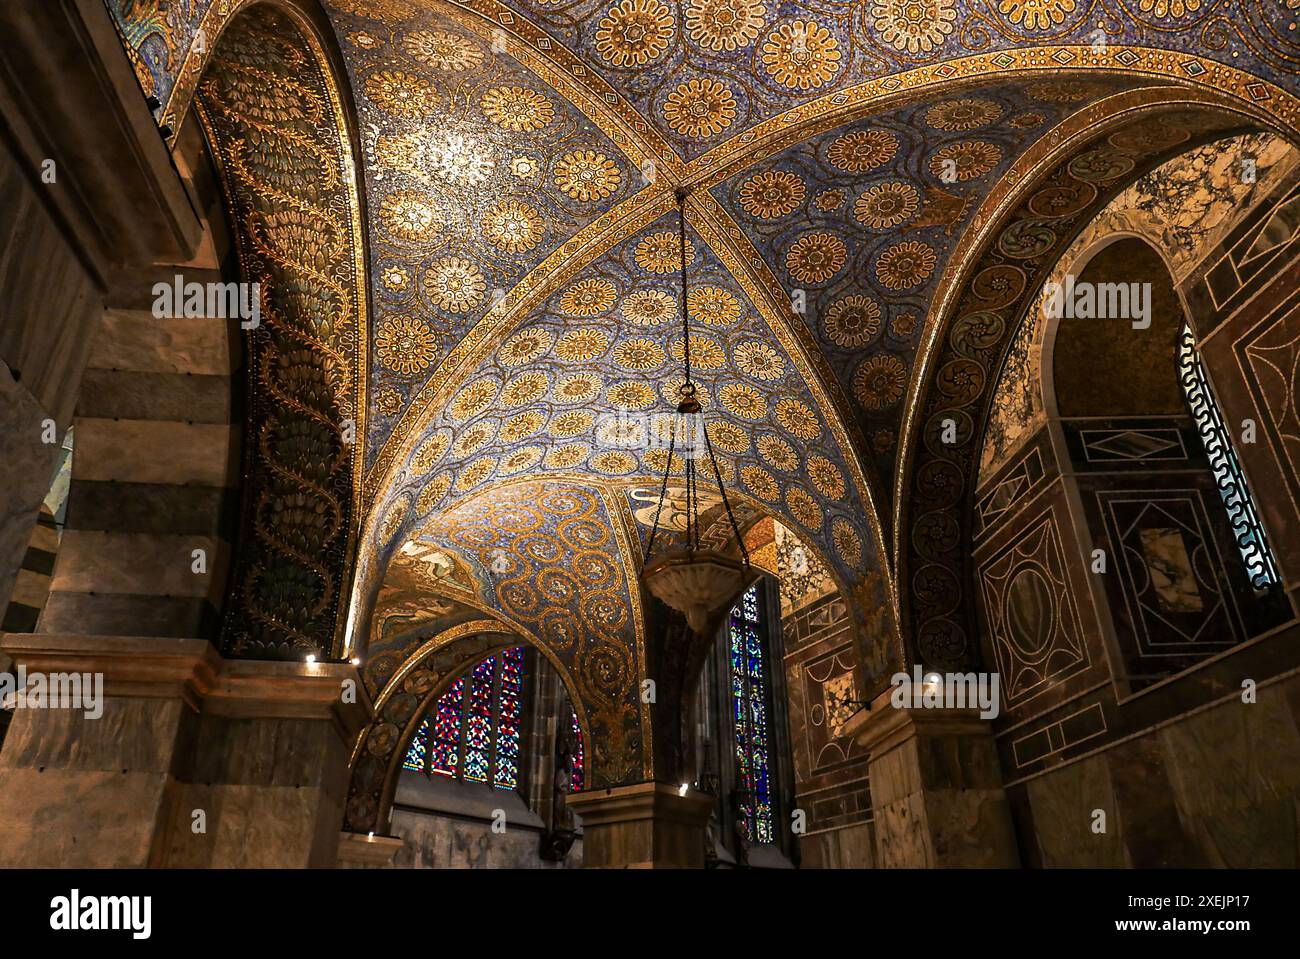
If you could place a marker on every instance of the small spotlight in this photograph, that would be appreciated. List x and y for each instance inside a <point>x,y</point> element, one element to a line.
<point>356,660</point>
<point>371,834</point>
<point>311,657</point>
<point>933,679</point>
<point>683,790</point>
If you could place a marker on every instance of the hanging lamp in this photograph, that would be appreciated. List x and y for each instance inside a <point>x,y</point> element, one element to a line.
<point>697,582</point>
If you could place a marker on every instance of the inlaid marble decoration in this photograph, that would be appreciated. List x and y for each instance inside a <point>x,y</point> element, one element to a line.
<point>1184,208</point>
<point>1033,622</point>
<point>1170,570</point>
<point>831,697</point>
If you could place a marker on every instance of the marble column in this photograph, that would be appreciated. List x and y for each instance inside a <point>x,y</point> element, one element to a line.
<point>190,760</point>
<point>936,788</point>
<point>643,826</point>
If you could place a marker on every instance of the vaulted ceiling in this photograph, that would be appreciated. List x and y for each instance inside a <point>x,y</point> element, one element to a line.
<point>519,161</point>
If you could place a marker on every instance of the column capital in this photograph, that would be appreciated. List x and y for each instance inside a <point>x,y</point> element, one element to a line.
<point>882,726</point>
<point>647,825</point>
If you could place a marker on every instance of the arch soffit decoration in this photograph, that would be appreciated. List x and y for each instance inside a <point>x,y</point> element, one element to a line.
<point>1097,235</point>
<point>1024,398</point>
<point>615,116</point>
<point>556,556</point>
<point>937,608</point>
<point>314,301</point>
<point>1018,181</point>
<point>615,226</point>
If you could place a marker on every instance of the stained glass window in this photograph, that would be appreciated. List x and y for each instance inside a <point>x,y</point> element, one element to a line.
<point>749,699</point>
<point>419,746</point>
<point>1242,513</point>
<point>472,732</point>
<point>578,770</point>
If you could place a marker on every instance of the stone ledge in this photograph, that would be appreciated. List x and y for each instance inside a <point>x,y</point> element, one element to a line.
<point>193,670</point>
<point>638,802</point>
<point>367,852</point>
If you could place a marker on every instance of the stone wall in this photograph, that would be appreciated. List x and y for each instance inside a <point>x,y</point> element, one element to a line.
<point>432,841</point>
<point>446,824</point>
<point>1219,787</point>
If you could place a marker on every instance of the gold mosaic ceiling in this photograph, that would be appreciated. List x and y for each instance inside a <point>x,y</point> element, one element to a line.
<point>519,159</point>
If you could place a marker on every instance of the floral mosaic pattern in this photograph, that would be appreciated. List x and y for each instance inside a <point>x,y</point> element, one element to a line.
<point>702,71</point>
<point>577,388</point>
<point>859,223</point>
<point>476,170</point>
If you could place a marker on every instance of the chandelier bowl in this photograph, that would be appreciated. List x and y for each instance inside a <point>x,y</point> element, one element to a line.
<point>698,583</point>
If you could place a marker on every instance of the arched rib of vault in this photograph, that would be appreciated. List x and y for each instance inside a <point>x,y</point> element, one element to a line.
<point>778,133</point>
<point>477,170</point>
<point>983,302</point>
<point>1212,197</point>
<point>819,205</point>
<point>998,205</point>
<point>744,262</point>
<point>576,385</point>
<point>1275,96</point>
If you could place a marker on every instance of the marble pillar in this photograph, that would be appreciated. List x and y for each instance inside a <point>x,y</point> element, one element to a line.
<point>642,826</point>
<point>936,788</point>
<point>190,760</point>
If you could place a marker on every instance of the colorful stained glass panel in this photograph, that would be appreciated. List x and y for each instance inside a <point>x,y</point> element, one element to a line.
<point>749,695</point>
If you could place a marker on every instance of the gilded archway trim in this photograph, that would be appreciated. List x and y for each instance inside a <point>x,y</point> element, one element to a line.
<point>568,76</point>
<point>575,255</point>
<point>747,266</point>
<point>1041,156</point>
<point>792,127</point>
<point>835,109</point>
